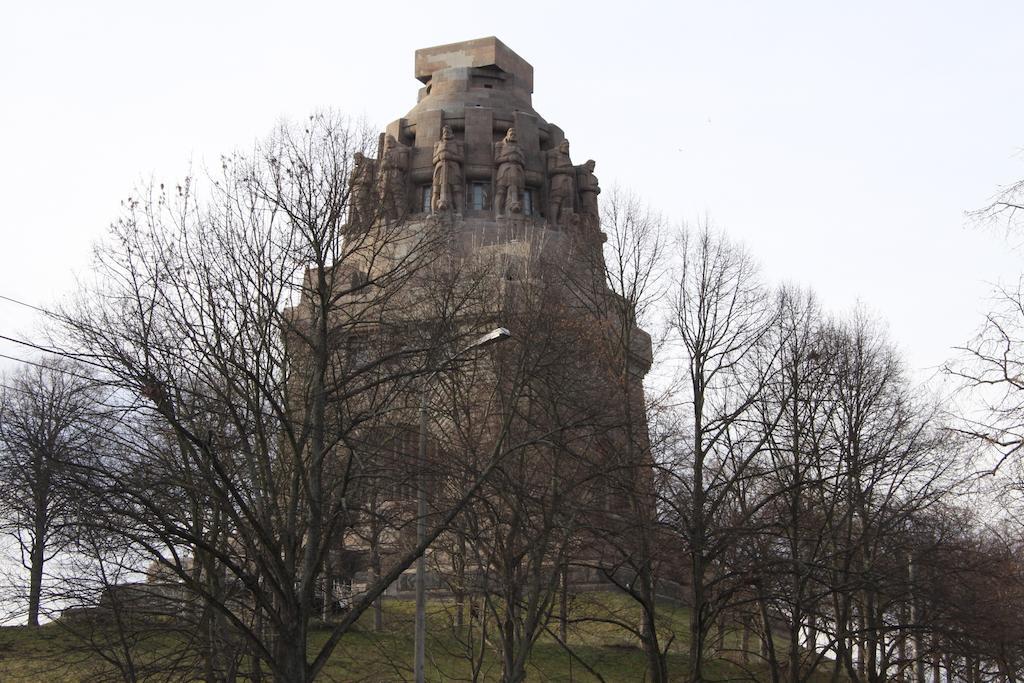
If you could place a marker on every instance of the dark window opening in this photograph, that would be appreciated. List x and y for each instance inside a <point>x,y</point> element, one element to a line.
<point>480,196</point>
<point>359,279</point>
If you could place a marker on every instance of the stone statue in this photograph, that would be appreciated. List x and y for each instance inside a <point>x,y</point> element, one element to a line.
<point>446,192</point>
<point>586,183</point>
<point>561,182</point>
<point>361,183</point>
<point>394,162</point>
<point>511,162</point>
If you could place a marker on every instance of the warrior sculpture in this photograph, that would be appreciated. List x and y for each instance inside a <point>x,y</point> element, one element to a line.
<point>446,192</point>
<point>586,183</point>
<point>561,181</point>
<point>394,162</point>
<point>361,184</point>
<point>510,160</point>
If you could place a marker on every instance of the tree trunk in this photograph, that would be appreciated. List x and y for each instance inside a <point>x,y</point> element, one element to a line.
<point>657,664</point>
<point>40,494</point>
<point>375,568</point>
<point>291,654</point>
<point>812,633</point>
<point>767,643</point>
<point>256,662</point>
<point>512,670</point>
<point>745,640</point>
<point>563,605</point>
<point>843,641</point>
<point>794,636</point>
<point>697,537</point>
<point>697,617</point>
<point>862,653</point>
<point>35,586</point>
<point>460,585</point>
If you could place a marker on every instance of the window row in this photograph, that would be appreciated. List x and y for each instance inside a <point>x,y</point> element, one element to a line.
<point>478,198</point>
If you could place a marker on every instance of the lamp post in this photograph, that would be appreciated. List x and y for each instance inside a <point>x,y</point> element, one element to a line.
<point>494,336</point>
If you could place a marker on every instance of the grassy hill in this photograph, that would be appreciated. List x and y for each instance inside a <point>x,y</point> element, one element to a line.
<point>53,654</point>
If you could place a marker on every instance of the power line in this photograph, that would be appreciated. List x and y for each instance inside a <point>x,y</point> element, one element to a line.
<point>50,350</point>
<point>80,358</point>
<point>347,439</point>
<point>26,305</point>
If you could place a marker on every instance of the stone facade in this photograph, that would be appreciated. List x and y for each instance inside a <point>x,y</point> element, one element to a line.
<point>474,146</point>
<point>474,154</point>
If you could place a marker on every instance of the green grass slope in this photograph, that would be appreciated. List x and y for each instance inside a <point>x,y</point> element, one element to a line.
<point>598,644</point>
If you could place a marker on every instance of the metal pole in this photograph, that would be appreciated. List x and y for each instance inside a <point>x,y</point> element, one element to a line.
<point>419,658</point>
<point>421,536</point>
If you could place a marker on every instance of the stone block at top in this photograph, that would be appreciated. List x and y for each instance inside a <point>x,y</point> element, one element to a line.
<point>482,52</point>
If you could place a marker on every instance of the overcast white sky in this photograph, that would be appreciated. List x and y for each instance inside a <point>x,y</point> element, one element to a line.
<point>841,142</point>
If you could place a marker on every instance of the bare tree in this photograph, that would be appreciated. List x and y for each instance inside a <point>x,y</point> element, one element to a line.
<point>722,315</point>
<point>1005,209</point>
<point>116,629</point>
<point>525,522</point>
<point>991,367</point>
<point>892,461</point>
<point>622,290</point>
<point>256,340</point>
<point>48,432</point>
<point>787,549</point>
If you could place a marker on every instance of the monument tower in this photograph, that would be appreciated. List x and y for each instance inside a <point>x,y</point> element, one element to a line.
<point>474,155</point>
<point>474,148</point>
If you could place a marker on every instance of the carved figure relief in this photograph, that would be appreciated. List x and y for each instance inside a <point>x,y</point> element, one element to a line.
<point>394,162</point>
<point>447,190</point>
<point>561,184</point>
<point>361,184</point>
<point>511,178</point>
<point>586,183</point>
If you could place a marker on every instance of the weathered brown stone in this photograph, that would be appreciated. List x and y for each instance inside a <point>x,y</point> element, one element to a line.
<point>391,178</point>
<point>586,183</point>
<point>474,158</point>
<point>511,163</point>
<point>446,194</point>
<point>479,53</point>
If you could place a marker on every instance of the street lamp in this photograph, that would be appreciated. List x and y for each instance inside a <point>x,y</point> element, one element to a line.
<point>493,337</point>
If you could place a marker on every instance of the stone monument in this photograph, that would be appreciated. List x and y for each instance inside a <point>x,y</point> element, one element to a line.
<point>475,157</point>
<point>474,147</point>
<point>510,162</point>
<point>447,190</point>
